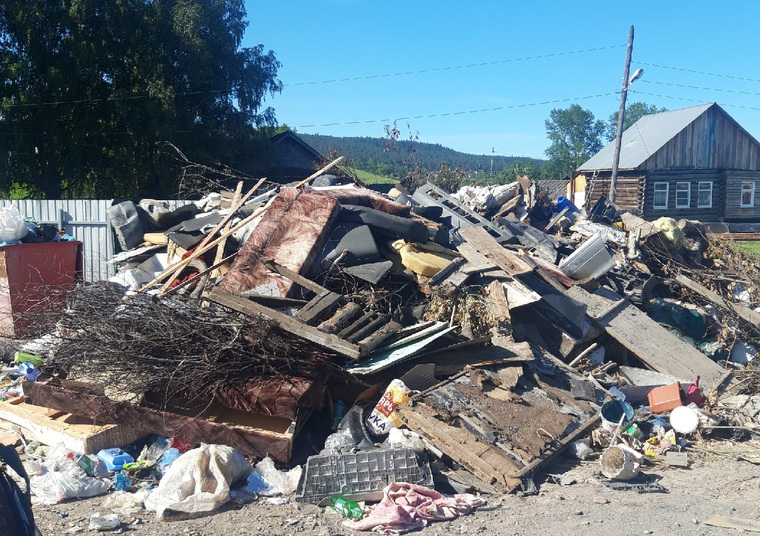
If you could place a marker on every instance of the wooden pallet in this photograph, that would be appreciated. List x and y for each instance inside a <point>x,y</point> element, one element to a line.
<point>50,426</point>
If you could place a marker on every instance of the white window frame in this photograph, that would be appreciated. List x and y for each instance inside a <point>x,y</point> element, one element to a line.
<point>701,188</point>
<point>654,195</point>
<point>679,190</point>
<point>751,190</point>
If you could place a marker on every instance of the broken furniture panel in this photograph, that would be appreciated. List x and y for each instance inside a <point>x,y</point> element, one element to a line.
<point>499,433</point>
<point>654,345</point>
<point>293,232</point>
<point>51,426</point>
<point>252,435</point>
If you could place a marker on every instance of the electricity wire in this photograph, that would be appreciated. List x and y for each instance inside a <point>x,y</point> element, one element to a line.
<point>453,67</point>
<point>462,112</point>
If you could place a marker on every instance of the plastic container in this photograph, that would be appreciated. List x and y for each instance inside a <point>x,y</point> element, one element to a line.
<point>360,475</point>
<point>684,420</point>
<point>665,398</point>
<point>564,202</point>
<point>115,458</point>
<point>612,411</point>
<point>590,260</point>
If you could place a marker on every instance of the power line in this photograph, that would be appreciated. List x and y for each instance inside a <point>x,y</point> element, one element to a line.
<point>694,100</point>
<point>700,88</point>
<point>451,68</point>
<point>694,71</point>
<point>335,80</point>
<point>463,112</point>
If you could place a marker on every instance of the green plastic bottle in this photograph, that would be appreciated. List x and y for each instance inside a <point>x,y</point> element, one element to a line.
<point>349,509</point>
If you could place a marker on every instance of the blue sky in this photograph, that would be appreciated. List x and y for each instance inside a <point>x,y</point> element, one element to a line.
<point>483,76</point>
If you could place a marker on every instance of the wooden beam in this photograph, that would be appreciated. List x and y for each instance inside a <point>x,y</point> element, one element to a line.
<point>313,176</point>
<point>744,312</point>
<point>200,251</point>
<point>288,323</point>
<point>236,202</point>
<point>321,305</point>
<point>654,345</point>
<point>293,276</point>
<point>501,257</point>
<point>221,225</point>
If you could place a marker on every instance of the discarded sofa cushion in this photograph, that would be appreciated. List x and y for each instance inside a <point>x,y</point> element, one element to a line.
<point>127,224</point>
<point>366,198</point>
<point>358,242</point>
<point>292,232</point>
<point>387,224</point>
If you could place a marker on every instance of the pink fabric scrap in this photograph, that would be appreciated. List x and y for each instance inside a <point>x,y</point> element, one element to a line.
<point>406,507</point>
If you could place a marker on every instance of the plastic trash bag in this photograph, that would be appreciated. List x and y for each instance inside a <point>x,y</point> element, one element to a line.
<point>100,521</point>
<point>123,502</point>
<point>199,480</point>
<point>54,487</point>
<point>283,482</point>
<point>12,225</point>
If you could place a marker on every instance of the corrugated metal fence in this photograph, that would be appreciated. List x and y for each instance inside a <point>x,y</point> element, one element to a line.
<point>84,219</point>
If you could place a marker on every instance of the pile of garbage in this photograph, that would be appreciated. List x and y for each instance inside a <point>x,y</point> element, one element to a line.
<point>398,357</point>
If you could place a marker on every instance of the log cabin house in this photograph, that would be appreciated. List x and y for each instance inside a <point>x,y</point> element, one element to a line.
<point>696,163</point>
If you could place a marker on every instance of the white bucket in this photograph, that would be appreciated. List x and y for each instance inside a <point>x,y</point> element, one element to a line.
<point>590,259</point>
<point>620,463</point>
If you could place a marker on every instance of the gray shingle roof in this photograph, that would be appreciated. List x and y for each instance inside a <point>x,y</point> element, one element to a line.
<point>644,138</point>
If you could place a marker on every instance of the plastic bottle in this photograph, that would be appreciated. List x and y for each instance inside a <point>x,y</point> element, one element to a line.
<point>349,509</point>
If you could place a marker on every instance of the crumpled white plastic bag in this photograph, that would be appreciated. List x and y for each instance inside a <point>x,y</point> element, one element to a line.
<point>54,487</point>
<point>199,480</point>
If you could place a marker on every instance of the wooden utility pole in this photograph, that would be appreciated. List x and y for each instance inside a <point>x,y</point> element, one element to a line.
<point>621,117</point>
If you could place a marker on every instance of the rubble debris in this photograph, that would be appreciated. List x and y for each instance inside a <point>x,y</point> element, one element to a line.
<point>518,325</point>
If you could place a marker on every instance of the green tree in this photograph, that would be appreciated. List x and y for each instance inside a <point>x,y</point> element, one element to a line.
<point>91,88</point>
<point>633,112</point>
<point>575,136</point>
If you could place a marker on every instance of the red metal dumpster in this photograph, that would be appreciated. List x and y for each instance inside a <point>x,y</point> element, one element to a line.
<point>34,282</point>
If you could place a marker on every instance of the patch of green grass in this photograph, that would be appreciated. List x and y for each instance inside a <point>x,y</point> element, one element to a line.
<point>370,178</point>
<point>753,248</point>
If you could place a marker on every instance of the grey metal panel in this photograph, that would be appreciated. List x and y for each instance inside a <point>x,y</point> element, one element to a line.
<point>84,219</point>
<point>644,138</point>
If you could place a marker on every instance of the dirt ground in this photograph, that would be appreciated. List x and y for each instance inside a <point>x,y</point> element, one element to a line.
<point>723,479</point>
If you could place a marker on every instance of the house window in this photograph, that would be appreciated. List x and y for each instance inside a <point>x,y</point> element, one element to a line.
<point>660,195</point>
<point>748,194</point>
<point>704,195</point>
<point>683,194</point>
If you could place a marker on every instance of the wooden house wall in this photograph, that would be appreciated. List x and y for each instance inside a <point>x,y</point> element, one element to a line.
<point>694,176</point>
<point>628,191</point>
<point>712,141</point>
<point>732,207</point>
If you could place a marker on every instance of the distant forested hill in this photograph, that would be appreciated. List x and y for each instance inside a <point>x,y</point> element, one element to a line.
<point>380,156</point>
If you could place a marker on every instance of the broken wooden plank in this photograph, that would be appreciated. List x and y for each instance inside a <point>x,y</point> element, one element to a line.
<point>453,274</point>
<point>654,345</point>
<point>743,311</point>
<point>486,462</point>
<point>479,238</point>
<point>285,322</point>
<point>324,304</point>
<point>293,276</point>
<point>51,426</point>
<point>252,435</point>
<point>501,331</point>
<point>371,327</point>
<point>344,316</point>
